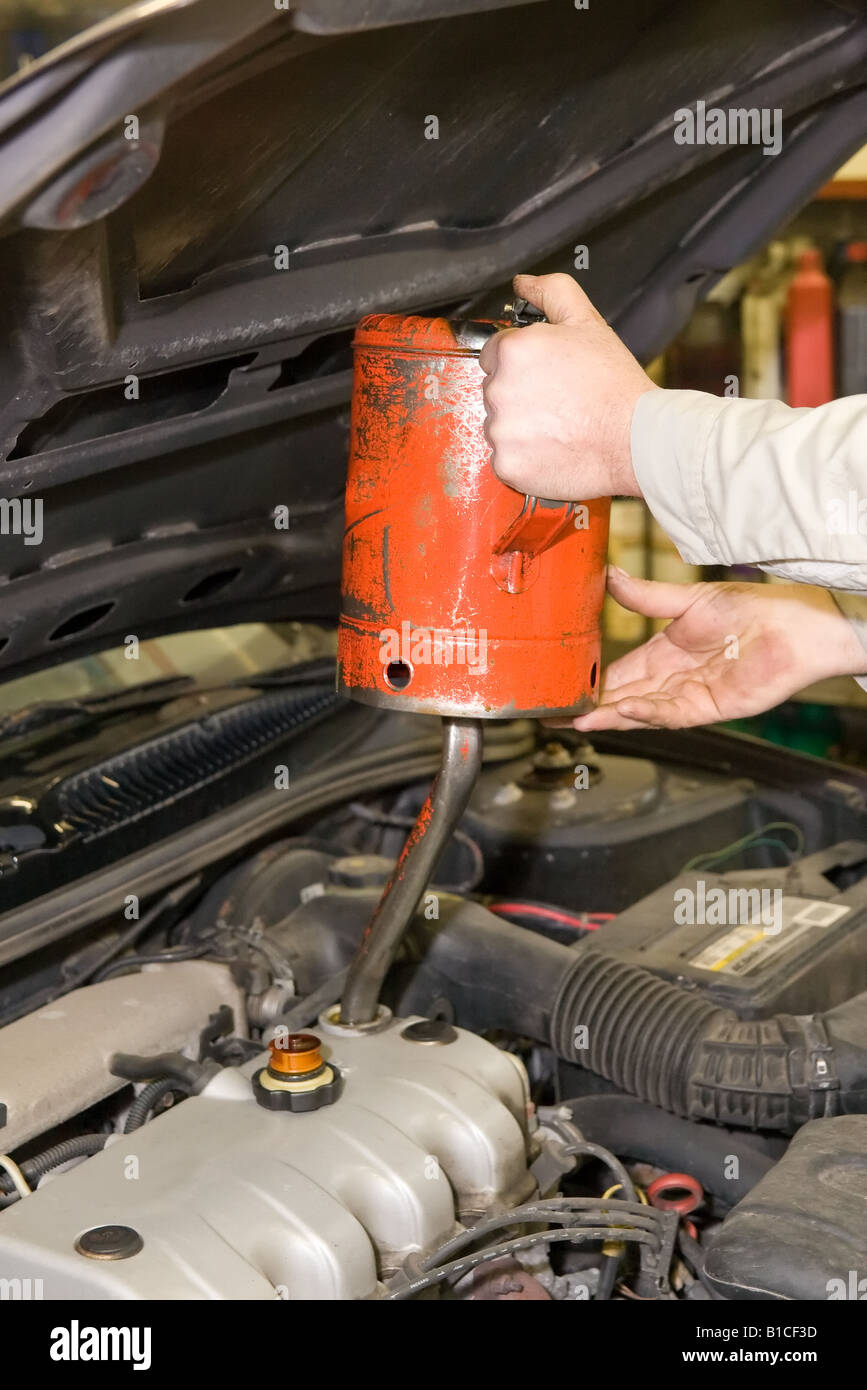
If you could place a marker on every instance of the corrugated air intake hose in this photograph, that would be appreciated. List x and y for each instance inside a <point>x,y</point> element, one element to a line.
<point>675,1049</point>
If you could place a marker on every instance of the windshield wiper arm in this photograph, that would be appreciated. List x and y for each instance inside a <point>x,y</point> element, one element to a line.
<point>46,712</point>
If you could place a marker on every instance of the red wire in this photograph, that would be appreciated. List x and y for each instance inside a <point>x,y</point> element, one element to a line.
<point>552,915</point>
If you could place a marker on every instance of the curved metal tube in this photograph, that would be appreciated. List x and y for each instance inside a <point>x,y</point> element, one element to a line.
<point>443,808</point>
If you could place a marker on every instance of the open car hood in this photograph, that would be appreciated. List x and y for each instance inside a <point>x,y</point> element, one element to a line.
<point>165,386</point>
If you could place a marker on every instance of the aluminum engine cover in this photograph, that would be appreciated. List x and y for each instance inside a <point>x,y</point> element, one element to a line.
<point>235,1201</point>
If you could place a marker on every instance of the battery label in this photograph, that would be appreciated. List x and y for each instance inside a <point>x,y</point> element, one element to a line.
<point>749,947</point>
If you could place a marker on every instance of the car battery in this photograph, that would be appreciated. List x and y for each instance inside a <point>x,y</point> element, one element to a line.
<point>760,942</point>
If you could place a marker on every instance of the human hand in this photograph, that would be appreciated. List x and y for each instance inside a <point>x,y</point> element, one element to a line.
<point>559,398</point>
<point>732,650</point>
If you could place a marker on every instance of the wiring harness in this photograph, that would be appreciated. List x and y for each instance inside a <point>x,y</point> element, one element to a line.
<point>573,1220</point>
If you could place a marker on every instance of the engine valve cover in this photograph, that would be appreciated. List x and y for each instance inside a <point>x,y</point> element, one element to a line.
<point>234,1201</point>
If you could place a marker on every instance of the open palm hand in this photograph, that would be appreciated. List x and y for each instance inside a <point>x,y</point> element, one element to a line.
<point>731,650</point>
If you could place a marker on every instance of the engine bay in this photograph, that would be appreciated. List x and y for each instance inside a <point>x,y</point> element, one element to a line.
<point>592,1073</point>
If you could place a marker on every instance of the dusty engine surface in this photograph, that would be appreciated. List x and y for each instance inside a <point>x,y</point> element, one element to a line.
<point>221,1198</point>
<point>546,1103</point>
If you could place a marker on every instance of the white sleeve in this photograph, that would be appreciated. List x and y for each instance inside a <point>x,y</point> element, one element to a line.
<point>756,482</point>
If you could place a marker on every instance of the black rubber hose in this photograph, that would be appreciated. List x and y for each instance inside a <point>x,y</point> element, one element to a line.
<point>174,1066</point>
<point>655,1040</point>
<point>147,1099</point>
<point>80,1146</point>
<point>629,1026</point>
<point>647,1134</point>
<point>494,974</point>
<point>678,1050</point>
<point>308,1009</point>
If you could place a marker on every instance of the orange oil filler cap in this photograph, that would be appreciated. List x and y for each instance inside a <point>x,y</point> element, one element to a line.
<point>298,1055</point>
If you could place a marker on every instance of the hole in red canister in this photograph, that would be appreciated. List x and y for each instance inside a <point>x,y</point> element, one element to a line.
<point>398,675</point>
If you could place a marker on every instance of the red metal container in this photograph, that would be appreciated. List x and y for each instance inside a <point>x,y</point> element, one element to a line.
<point>460,596</point>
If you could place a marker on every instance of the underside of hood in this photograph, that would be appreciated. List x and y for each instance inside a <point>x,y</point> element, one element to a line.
<point>178,294</point>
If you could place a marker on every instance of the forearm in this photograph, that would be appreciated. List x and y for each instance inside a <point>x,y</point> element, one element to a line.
<point>755,482</point>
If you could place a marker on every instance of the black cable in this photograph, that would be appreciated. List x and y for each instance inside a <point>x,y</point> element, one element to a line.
<point>546,1209</point>
<point>607,1276</point>
<point>172,899</point>
<point>585,1148</point>
<point>148,1099</point>
<point>574,1234</point>
<point>158,958</point>
<point>79,1146</point>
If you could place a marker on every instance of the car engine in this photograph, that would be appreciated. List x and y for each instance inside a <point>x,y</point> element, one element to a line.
<point>553,1101</point>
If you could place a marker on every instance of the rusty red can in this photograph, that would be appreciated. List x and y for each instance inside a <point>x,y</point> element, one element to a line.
<point>460,596</point>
